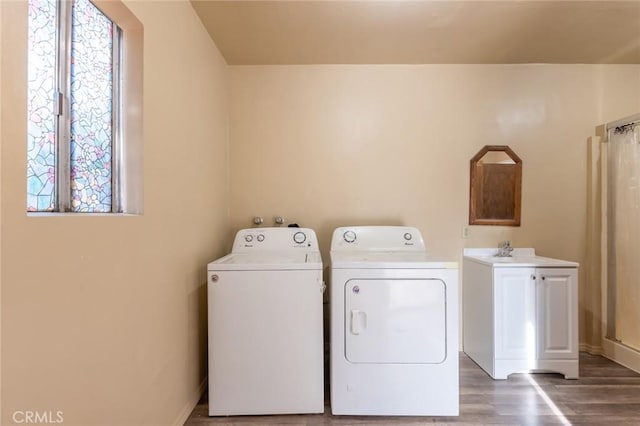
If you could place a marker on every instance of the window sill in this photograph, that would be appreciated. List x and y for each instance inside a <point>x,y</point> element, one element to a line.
<point>70,214</point>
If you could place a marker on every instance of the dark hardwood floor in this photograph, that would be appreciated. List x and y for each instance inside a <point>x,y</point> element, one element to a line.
<point>605,394</point>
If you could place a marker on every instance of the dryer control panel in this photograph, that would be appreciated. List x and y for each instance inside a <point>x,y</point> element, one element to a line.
<point>377,238</point>
<point>275,239</point>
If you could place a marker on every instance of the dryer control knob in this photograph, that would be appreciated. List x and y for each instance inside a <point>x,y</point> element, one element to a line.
<point>408,236</point>
<point>299,237</point>
<point>248,238</point>
<point>349,236</point>
<point>260,238</point>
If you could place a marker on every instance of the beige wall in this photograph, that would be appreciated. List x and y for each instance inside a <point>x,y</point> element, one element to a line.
<point>1,143</point>
<point>104,318</point>
<point>619,92</point>
<point>327,146</point>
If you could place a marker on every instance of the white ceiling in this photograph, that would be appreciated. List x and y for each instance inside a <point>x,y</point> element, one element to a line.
<point>423,32</point>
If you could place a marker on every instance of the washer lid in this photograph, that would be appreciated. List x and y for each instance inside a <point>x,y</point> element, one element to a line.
<point>267,261</point>
<point>388,260</point>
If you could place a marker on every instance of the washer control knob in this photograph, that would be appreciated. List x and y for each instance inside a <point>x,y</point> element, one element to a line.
<point>299,237</point>
<point>408,236</point>
<point>260,237</point>
<point>349,236</point>
<point>248,238</point>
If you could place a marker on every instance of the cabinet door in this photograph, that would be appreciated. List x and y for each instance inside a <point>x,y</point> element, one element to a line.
<point>514,321</point>
<point>557,306</point>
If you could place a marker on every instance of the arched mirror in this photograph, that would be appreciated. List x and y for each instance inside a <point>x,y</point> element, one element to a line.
<point>496,182</point>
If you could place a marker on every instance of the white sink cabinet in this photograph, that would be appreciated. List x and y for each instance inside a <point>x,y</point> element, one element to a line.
<point>520,313</point>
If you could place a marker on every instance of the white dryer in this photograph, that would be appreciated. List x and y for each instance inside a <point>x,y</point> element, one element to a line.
<point>394,325</point>
<point>265,324</point>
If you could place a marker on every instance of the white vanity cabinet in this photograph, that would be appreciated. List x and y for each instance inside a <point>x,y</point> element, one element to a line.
<point>520,313</point>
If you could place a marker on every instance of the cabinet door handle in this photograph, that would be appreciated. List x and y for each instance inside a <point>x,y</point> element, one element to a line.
<point>543,277</point>
<point>533,277</point>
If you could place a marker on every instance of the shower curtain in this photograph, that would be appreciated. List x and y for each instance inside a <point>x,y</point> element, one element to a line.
<point>623,239</point>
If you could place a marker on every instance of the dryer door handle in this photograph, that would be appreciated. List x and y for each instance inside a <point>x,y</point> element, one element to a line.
<point>358,321</point>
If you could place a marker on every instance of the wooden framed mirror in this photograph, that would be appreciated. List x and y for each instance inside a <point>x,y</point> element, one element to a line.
<point>495,190</point>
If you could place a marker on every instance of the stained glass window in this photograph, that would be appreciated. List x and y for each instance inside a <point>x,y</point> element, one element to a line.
<point>41,125</point>
<point>78,138</point>
<point>91,107</point>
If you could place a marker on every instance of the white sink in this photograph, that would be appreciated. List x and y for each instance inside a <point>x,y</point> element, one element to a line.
<point>511,259</point>
<point>525,257</point>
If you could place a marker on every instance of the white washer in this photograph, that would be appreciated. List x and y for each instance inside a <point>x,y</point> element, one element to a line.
<point>265,324</point>
<point>394,325</point>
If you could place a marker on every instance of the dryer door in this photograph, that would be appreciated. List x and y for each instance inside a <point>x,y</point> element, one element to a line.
<point>395,321</point>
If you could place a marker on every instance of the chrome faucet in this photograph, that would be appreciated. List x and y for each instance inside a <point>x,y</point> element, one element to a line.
<point>504,249</point>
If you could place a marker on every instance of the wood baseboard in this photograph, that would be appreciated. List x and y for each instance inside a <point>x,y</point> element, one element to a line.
<point>195,398</point>
<point>590,349</point>
<point>621,354</point>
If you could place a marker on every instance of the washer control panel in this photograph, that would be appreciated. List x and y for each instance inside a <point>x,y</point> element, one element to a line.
<point>299,237</point>
<point>256,239</point>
